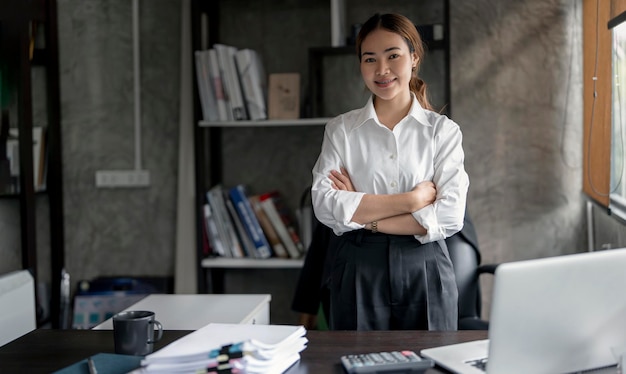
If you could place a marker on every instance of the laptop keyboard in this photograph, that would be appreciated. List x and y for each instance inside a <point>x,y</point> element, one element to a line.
<point>480,364</point>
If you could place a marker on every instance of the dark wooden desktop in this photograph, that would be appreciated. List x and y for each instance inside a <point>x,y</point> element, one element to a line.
<point>44,351</point>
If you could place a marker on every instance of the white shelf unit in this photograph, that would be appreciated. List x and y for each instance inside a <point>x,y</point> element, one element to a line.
<point>216,265</point>
<point>253,263</point>
<point>243,263</point>
<point>268,123</point>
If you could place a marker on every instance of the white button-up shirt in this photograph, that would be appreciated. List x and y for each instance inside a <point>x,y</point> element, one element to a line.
<point>423,146</point>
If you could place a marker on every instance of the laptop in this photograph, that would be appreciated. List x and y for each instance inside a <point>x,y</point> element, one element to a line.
<point>559,314</point>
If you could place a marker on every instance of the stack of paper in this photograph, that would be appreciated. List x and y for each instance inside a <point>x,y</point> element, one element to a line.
<point>235,348</point>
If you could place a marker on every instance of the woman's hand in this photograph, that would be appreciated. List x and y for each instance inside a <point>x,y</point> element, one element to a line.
<point>423,194</point>
<point>341,180</point>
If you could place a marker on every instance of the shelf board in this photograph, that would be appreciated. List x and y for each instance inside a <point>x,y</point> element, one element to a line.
<point>16,195</point>
<point>251,263</point>
<point>267,123</point>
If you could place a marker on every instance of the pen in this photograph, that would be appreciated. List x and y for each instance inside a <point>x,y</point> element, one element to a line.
<point>92,366</point>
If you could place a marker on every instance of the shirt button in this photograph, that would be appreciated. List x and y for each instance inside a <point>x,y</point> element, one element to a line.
<point>392,157</point>
<point>393,184</point>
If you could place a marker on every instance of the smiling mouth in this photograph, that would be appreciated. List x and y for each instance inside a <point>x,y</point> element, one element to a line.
<point>385,82</point>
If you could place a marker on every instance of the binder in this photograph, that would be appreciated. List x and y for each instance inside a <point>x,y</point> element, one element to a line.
<point>278,248</point>
<point>251,223</point>
<point>230,78</point>
<point>205,89</point>
<point>281,230</point>
<point>284,221</point>
<point>253,82</point>
<point>215,197</point>
<point>223,107</point>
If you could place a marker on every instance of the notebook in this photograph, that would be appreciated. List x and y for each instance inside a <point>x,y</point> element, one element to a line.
<point>559,314</point>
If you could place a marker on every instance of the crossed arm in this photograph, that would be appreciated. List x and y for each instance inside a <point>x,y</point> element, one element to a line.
<point>392,212</point>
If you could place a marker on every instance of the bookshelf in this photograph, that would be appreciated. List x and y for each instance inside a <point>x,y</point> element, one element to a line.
<point>212,269</point>
<point>22,52</point>
<point>298,50</point>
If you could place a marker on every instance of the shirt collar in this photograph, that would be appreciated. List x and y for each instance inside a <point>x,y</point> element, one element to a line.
<point>418,113</point>
<point>368,113</point>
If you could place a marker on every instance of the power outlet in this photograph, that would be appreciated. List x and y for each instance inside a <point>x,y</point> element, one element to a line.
<point>122,178</point>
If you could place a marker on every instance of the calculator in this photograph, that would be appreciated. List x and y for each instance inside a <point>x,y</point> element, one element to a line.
<point>383,362</point>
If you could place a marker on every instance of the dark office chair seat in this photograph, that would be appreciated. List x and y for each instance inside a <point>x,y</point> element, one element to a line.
<point>465,256</point>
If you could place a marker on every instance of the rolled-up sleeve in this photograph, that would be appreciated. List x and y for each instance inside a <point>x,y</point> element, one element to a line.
<point>332,207</point>
<point>444,217</point>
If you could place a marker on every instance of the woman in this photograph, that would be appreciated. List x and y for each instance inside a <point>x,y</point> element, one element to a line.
<point>391,183</point>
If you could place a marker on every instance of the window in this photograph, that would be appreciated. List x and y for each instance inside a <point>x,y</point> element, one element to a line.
<point>618,119</point>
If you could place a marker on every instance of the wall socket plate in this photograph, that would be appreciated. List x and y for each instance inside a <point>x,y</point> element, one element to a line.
<point>122,178</point>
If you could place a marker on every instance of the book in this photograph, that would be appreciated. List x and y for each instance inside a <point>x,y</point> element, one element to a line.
<point>215,197</point>
<point>246,243</point>
<point>248,348</point>
<point>284,96</point>
<point>230,78</point>
<point>220,231</point>
<point>268,228</point>
<point>253,82</point>
<point>284,221</point>
<point>205,89</point>
<point>223,107</point>
<point>215,241</point>
<point>240,200</point>
<point>272,214</point>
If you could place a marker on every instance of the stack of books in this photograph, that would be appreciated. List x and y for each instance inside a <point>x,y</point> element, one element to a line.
<point>239,225</point>
<point>232,84</point>
<point>230,348</point>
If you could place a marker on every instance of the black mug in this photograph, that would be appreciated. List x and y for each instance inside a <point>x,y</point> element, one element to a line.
<point>133,332</point>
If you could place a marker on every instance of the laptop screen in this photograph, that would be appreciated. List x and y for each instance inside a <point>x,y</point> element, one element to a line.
<point>567,312</point>
<point>552,315</point>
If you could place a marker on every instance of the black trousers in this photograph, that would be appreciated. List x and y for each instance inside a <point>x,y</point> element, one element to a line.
<point>391,282</point>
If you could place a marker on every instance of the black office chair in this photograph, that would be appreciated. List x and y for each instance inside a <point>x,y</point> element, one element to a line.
<point>465,257</point>
<point>464,254</point>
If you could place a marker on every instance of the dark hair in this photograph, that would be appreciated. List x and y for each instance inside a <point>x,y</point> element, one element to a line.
<point>402,26</point>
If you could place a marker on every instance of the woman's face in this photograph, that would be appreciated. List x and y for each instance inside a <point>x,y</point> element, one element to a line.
<point>386,64</point>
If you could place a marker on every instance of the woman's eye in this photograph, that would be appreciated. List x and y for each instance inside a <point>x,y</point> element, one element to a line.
<point>369,60</point>
<point>394,56</point>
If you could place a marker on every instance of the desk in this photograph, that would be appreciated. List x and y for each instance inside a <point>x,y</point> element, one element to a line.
<point>44,351</point>
<point>191,312</point>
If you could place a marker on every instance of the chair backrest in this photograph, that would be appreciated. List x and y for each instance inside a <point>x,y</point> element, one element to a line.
<point>17,305</point>
<point>465,257</point>
<point>465,262</point>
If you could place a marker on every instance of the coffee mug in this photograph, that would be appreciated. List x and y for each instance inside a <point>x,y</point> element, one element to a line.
<point>133,332</point>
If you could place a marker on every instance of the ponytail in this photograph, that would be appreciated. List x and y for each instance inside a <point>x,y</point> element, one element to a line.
<point>418,87</point>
